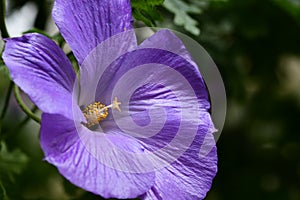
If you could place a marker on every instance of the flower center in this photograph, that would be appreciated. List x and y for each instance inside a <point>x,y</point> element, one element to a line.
<point>96,112</point>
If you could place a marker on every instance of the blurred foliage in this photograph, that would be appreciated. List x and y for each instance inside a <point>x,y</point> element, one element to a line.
<point>292,7</point>
<point>3,29</point>
<point>146,11</point>
<point>43,10</point>
<point>3,69</point>
<point>181,11</point>
<point>149,12</point>
<point>255,44</point>
<point>11,162</point>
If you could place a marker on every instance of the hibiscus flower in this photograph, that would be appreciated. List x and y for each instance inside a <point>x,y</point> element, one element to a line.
<point>134,123</point>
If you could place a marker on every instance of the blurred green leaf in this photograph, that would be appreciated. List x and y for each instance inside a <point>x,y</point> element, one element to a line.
<point>1,45</point>
<point>36,30</point>
<point>59,39</point>
<point>146,11</point>
<point>4,69</point>
<point>3,30</point>
<point>11,163</point>
<point>292,7</point>
<point>3,194</point>
<point>181,10</point>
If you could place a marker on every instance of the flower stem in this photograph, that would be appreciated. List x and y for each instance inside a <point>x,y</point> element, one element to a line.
<point>4,34</point>
<point>33,110</point>
<point>3,29</point>
<point>23,106</point>
<point>3,191</point>
<point>10,87</point>
<point>7,98</point>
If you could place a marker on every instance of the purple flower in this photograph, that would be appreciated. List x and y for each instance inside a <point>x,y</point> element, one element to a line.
<point>136,122</point>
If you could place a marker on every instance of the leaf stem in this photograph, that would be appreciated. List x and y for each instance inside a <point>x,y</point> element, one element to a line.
<point>10,87</point>
<point>33,110</point>
<point>23,106</point>
<point>7,98</point>
<point>3,191</point>
<point>3,29</point>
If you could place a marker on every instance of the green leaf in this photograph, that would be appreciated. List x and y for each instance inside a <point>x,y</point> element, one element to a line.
<point>146,11</point>
<point>145,4</point>
<point>36,30</point>
<point>11,163</point>
<point>3,30</point>
<point>1,45</point>
<point>292,7</point>
<point>59,39</point>
<point>181,11</point>
<point>4,69</point>
<point>3,194</point>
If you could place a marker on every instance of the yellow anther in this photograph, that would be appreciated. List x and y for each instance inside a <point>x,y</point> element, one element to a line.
<point>96,112</point>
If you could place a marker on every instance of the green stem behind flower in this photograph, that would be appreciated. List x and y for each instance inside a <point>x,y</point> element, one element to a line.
<point>3,29</point>
<point>23,106</point>
<point>3,191</point>
<point>10,87</point>
<point>33,110</point>
<point>7,98</point>
<point>4,34</point>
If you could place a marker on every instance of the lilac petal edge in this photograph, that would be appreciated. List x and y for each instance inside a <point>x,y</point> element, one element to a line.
<point>42,70</point>
<point>64,148</point>
<point>86,23</point>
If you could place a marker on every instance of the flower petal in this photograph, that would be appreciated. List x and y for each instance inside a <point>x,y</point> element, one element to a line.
<point>171,53</point>
<point>165,105</point>
<point>99,59</point>
<point>98,172</point>
<point>193,184</point>
<point>190,176</point>
<point>86,23</point>
<point>170,43</point>
<point>42,70</point>
<point>182,148</point>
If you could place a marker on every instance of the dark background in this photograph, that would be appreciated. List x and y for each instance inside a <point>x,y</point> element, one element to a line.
<point>256,46</point>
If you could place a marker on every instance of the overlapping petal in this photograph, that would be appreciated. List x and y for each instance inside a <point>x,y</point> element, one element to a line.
<point>167,40</point>
<point>190,176</point>
<point>171,53</point>
<point>165,105</point>
<point>42,70</point>
<point>97,172</point>
<point>181,182</point>
<point>99,59</point>
<point>86,23</point>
